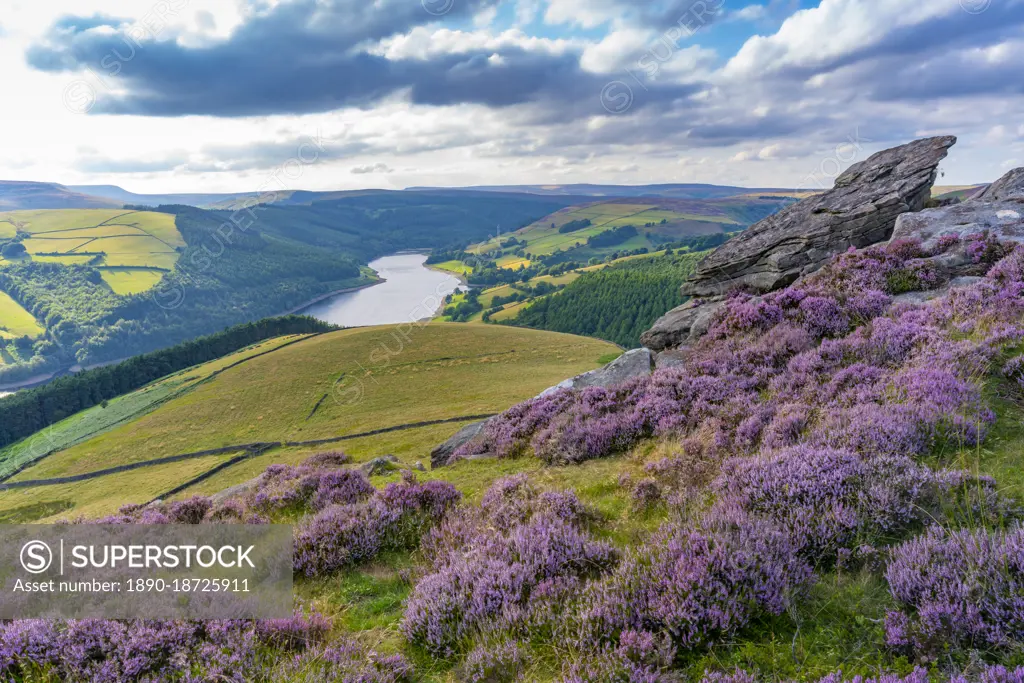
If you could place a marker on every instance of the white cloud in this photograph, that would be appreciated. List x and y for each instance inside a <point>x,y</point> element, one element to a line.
<point>755,125</point>
<point>816,36</point>
<point>486,18</point>
<point>618,50</point>
<point>749,13</point>
<point>583,13</point>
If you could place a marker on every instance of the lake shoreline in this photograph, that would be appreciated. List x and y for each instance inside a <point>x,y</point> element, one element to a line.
<point>412,291</point>
<point>328,295</point>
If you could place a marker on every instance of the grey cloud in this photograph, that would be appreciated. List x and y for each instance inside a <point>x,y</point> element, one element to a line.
<point>305,56</point>
<point>375,168</point>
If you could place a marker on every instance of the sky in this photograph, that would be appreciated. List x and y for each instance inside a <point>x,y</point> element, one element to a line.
<point>247,95</point>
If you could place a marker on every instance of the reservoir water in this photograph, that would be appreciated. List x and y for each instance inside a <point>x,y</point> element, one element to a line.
<point>411,292</point>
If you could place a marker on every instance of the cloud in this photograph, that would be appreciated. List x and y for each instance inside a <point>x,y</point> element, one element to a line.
<point>375,168</point>
<point>749,13</point>
<point>841,32</point>
<point>307,56</point>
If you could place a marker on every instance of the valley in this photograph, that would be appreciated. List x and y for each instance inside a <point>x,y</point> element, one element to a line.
<point>527,341</point>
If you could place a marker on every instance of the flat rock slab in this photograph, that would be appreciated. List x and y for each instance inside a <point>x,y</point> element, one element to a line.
<point>1004,220</point>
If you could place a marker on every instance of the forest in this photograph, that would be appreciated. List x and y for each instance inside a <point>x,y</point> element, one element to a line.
<point>26,412</point>
<point>617,303</point>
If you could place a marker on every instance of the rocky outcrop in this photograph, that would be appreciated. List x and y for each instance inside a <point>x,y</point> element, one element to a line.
<point>683,325</point>
<point>635,363</point>
<point>440,456</point>
<point>860,210</point>
<point>998,210</point>
<point>1009,188</point>
<point>1005,219</point>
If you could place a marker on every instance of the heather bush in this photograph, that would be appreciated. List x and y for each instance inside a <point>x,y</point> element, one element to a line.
<point>962,589</point>
<point>695,585</point>
<point>498,568</point>
<point>503,663</point>
<point>229,511</point>
<point>106,651</point>
<point>827,499</point>
<point>566,505</point>
<point>191,511</point>
<point>639,657</point>
<point>295,633</point>
<point>328,459</point>
<point>113,651</point>
<point>394,519</point>
<point>344,661</point>
<point>979,673</point>
<point>311,484</point>
<point>646,494</point>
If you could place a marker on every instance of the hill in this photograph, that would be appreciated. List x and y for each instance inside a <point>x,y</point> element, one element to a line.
<point>666,191</point>
<point>375,223</point>
<point>322,387</point>
<point>592,232</point>
<point>95,308</point>
<point>30,195</point>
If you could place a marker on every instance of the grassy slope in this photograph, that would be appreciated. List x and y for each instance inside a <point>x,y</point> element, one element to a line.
<point>438,371</point>
<point>99,419</point>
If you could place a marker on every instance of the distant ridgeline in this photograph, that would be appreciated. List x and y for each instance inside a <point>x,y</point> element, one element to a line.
<point>26,412</point>
<point>617,303</point>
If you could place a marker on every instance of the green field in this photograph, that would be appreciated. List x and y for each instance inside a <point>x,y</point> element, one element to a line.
<point>543,239</point>
<point>371,377</point>
<point>131,281</point>
<point>132,249</point>
<point>455,267</point>
<point>15,321</point>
